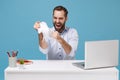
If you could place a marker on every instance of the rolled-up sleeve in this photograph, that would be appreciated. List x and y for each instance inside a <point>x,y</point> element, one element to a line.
<point>45,51</point>
<point>73,41</point>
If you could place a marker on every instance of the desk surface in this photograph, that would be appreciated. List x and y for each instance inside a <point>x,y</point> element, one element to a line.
<point>56,66</point>
<point>59,70</point>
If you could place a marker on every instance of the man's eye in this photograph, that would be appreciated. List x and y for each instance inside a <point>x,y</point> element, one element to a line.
<point>55,18</point>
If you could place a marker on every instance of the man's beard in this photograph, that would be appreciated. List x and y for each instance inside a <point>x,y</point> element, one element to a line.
<point>62,27</point>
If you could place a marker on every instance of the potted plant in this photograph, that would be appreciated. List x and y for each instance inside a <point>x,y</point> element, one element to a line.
<point>21,61</point>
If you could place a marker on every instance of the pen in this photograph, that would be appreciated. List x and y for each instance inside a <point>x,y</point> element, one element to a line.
<point>16,53</point>
<point>8,54</point>
<point>13,54</point>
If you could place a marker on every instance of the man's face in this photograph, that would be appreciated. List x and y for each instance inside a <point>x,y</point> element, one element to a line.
<point>59,20</point>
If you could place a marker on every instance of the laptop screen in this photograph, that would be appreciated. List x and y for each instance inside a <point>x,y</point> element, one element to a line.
<point>101,53</point>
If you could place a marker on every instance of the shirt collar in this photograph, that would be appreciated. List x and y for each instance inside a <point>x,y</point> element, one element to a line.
<point>65,30</point>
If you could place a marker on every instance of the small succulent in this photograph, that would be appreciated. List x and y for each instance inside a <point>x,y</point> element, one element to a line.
<point>21,61</point>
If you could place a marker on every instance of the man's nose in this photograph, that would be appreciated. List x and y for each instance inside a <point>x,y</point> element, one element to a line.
<point>57,20</point>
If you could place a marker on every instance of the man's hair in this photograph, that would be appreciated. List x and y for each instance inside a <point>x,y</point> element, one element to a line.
<point>60,8</point>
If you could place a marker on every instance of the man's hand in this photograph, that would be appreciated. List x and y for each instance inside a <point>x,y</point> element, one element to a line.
<point>42,41</point>
<point>55,35</point>
<point>64,44</point>
<point>37,25</point>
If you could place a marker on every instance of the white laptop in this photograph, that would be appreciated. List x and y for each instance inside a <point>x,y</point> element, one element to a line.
<point>100,54</point>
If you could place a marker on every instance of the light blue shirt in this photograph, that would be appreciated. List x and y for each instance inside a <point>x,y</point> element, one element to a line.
<point>55,50</point>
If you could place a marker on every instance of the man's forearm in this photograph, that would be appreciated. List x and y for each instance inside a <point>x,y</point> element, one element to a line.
<point>42,41</point>
<point>65,45</point>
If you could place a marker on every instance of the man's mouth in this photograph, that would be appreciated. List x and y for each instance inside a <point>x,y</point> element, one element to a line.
<point>58,25</point>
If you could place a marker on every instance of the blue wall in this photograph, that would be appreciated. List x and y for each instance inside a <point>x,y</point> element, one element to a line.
<point>94,20</point>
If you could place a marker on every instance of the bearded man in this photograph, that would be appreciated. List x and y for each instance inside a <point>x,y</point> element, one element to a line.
<point>64,40</point>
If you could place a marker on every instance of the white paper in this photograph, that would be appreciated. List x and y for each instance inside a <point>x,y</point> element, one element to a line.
<point>44,29</point>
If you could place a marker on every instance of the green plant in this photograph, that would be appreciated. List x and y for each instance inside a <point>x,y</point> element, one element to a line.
<point>21,61</point>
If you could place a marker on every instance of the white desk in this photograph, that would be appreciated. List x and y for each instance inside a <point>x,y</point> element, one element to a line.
<point>59,70</point>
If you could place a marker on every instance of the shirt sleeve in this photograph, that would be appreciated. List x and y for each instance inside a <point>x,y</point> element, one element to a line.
<point>44,51</point>
<point>73,41</point>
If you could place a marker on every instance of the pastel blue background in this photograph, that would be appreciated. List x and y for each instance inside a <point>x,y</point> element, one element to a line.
<point>94,20</point>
